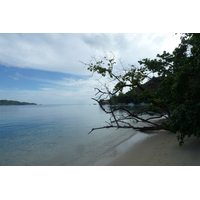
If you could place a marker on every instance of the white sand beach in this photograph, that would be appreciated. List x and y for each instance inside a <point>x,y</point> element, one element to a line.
<point>161,149</point>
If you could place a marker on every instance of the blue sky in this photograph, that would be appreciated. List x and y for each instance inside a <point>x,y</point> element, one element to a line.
<point>15,78</point>
<point>46,68</point>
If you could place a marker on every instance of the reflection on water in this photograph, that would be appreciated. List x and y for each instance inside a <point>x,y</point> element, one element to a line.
<point>55,135</point>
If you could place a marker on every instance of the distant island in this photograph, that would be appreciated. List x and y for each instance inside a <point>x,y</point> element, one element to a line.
<point>10,102</point>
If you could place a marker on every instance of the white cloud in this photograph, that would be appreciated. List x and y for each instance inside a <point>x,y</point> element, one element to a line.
<point>66,91</point>
<point>62,52</point>
<point>53,52</point>
<point>46,89</point>
<point>15,78</point>
<point>45,96</point>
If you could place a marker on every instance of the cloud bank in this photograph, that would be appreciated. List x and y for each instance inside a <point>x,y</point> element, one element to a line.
<point>62,52</point>
<point>31,57</point>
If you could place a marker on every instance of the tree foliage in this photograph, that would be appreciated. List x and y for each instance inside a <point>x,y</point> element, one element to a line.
<point>10,102</point>
<point>170,83</point>
<point>130,97</point>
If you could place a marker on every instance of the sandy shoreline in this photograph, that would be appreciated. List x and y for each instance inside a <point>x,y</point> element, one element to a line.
<point>160,149</point>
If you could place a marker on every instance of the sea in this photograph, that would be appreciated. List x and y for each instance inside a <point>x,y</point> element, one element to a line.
<point>57,135</point>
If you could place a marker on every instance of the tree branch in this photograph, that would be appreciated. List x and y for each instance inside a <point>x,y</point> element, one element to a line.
<point>145,128</point>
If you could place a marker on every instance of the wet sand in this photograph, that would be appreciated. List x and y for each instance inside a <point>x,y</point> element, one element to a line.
<point>161,149</point>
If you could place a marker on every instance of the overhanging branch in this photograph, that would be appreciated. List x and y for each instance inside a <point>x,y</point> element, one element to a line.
<point>144,128</point>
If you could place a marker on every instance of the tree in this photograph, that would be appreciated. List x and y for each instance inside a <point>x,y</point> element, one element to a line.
<point>170,83</point>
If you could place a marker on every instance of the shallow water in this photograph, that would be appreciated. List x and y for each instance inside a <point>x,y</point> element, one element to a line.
<point>55,135</point>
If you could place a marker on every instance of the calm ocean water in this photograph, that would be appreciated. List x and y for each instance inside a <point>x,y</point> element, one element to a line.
<point>46,135</point>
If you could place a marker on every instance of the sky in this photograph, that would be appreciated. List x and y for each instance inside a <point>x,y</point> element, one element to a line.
<point>47,68</point>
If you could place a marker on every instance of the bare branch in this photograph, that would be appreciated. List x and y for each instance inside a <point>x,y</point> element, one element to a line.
<point>145,128</point>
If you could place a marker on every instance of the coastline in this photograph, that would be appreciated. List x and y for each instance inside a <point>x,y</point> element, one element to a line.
<point>162,149</point>
<point>122,148</point>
